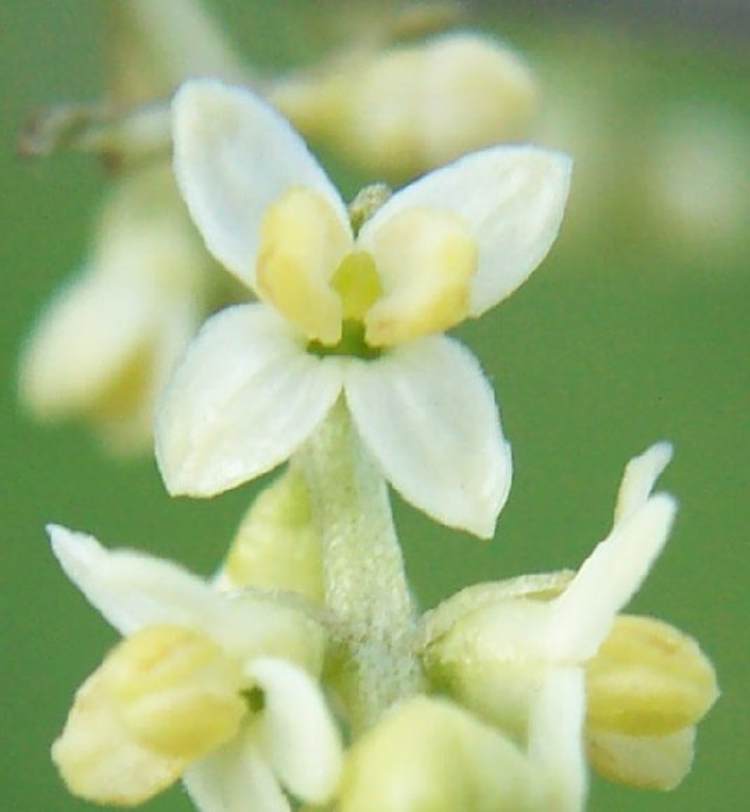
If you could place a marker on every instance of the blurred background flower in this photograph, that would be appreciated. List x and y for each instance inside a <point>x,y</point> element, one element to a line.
<point>636,328</point>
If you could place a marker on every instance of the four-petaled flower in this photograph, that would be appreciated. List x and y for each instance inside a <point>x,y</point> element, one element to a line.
<point>360,313</point>
<point>647,683</point>
<point>217,689</point>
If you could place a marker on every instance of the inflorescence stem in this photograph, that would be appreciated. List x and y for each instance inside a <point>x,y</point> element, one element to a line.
<point>365,583</point>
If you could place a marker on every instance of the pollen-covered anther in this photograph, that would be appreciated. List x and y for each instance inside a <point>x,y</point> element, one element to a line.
<point>425,260</point>
<point>302,243</point>
<point>176,691</point>
<point>648,679</point>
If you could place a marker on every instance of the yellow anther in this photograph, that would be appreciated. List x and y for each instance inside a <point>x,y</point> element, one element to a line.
<point>425,260</point>
<point>356,281</point>
<point>302,244</point>
<point>648,679</point>
<point>176,691</point>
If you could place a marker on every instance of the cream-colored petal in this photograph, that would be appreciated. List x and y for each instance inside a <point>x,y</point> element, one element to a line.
<point>556,739</point>
<point>243,399</point>
<point>133,590</point>
<point>235,778</point>
<point>234,156</point>
<point>83,342</point>
<point>298,734</point>
<point>512,199</point>
<point>99,758</point>
<point>583,615</point>
<point>640,477</point>
<point>429,417</point>
<point>647,762</point>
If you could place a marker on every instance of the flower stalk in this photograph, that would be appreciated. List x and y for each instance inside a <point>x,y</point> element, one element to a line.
<point>365,583</point>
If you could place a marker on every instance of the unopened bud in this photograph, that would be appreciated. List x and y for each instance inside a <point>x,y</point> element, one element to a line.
<point>431,755</point>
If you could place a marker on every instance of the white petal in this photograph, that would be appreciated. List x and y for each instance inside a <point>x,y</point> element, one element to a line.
<point>235,778</point>
<point>582,616</point>
<point>298,733</point>
<point>133,590</point>
<point>429,416</point>
<point>556,738</point>
<point>83,341</point>
<point>245,396</point>
<point>511,198</point>
<point>130,589</point>
<point>234,155</point>
<point>640,477</point>
<point>648,762</point>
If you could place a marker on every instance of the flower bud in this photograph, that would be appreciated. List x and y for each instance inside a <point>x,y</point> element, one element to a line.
<point>431,756</point>
<point>405,110</point>
<point>277,545</point>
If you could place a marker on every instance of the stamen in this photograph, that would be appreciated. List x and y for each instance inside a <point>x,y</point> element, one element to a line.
<point>302,244</point>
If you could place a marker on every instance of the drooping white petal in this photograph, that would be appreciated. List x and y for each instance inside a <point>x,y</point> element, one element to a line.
<point>556,738</point>
<point>234,155</point>
<point>298,734</point>
<point>429,416</point>
<point>582,616</point>
<point>235,778</point>
<point>512,200</point>
<point>245,396</point>
<point>85,339</point>
<point>640,477</point>
<point>133,590</point>
<point>648,762</point>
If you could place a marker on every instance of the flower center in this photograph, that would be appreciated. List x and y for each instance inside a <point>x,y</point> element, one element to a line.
<point>408,277</point>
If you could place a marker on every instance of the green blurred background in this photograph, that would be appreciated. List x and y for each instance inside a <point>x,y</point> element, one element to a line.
<point>635,329</point>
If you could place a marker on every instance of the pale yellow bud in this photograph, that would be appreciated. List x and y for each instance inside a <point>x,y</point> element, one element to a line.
<point>277,545</point>
<point>402,111</point>
<point>648,679</point>
<point>428,755</point>
<point>302,243</point>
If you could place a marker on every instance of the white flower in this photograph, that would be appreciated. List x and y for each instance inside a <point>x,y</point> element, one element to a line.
<point>107,343</point>
<point>648,684</point>
<point>337,312</point>
<point>212,687</point>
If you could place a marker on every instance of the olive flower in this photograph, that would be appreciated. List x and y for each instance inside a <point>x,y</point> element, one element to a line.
<point>217,689</point>
<point>362,313</point>
<point>647,683</point>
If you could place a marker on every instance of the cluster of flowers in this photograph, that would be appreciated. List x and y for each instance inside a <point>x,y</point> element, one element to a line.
<point>302,674</point>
